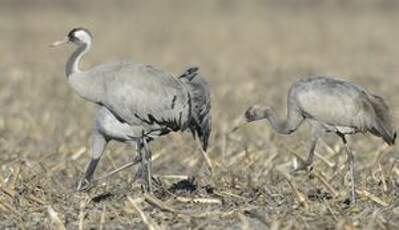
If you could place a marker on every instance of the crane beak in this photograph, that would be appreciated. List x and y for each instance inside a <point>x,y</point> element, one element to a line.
<point>239,123</point>
<point>60,42</point>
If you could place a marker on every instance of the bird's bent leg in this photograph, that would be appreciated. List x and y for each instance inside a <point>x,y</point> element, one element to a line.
<point>305,164</point>
<point>351,161</point>
<point>315,136</point>
<point>97,149</point>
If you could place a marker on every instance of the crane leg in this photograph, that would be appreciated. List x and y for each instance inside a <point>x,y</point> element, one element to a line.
<point>98,146</point>
<point>351,161</point>
<point>315,136</point>
<point>145,171</point>
<point>148,155</point>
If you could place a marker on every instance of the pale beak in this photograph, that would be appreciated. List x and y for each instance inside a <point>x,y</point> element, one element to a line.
<point>60,42</point>
<point>238,123</point>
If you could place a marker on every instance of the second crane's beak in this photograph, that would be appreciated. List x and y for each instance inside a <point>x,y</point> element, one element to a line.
<point>238,123</point>
<point>60,42</point>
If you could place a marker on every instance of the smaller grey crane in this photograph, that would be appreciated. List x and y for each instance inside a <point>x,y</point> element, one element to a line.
<point>136,103</point>
<point>330,105</point>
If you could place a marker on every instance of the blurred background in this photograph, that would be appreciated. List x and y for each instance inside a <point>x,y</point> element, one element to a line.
<point>249,51</point>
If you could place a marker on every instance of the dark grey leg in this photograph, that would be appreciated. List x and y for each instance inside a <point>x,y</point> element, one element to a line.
<point>139,172</point>
<point>351,161</point>
<point>144,171</point>
<point>148,169</point>
<point>315,136</point>
<point>98,146</point>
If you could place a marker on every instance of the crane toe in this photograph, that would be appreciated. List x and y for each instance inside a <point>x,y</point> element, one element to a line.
<point>83,185</point>
<point>304,166</point>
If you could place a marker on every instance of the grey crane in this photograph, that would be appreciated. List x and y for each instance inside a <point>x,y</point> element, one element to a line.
<point>330,105</point>
<point>136,103</point>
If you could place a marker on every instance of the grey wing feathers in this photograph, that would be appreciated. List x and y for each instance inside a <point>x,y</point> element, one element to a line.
<point>144,96</point>
<point>383,125</point>
<point>200,103</point>
<point>344,104</point>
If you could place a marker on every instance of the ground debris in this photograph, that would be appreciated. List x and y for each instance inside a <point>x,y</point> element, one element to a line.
<point>249,51</point>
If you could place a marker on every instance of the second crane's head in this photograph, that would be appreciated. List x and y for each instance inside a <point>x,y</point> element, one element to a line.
<point>256,112</point>
<point>253,113</point>
<point>78,36</point>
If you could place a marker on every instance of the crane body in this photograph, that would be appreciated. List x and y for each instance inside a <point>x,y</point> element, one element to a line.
<point>330,105</point>
<point>136,103</point>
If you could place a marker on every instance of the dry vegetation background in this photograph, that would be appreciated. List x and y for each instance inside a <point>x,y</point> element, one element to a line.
<point>249,51</point>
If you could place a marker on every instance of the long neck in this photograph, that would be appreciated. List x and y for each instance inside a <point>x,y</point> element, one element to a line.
<point>81,82</point>
<point>72,65</point>
<point>286,126</point>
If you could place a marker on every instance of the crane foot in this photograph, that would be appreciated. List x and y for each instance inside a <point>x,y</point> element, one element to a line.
<point>83,185</point>
<point>304,166</point>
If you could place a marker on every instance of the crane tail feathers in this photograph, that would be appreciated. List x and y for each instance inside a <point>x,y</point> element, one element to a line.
<point>389,136</point>
<point>383,125</point>
<point>206,127</point>
<point>202,131</point>
<point>200,105</point>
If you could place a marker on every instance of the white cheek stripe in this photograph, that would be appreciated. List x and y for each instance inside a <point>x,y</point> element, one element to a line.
<point>80,34</point>
<point>83,36</point>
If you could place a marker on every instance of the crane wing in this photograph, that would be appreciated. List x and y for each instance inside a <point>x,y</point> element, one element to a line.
<point>142,95</point>
<point>335,102</point>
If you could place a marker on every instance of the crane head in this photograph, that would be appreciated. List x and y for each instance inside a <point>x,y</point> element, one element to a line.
<point>77,36</point>
<point>253,113</point>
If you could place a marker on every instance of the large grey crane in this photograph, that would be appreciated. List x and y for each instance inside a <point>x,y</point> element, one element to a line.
<point>136,103</point>
<point>330,105</point>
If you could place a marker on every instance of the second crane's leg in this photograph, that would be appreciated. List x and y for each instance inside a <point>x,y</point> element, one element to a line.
<point>97,149</point>
<point>351,162</point>
<point>315,136</point>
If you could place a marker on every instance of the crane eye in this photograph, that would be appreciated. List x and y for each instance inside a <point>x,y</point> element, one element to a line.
<point>72,37</point>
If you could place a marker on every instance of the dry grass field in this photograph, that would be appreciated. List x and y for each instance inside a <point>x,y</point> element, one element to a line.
<point>250,52</point>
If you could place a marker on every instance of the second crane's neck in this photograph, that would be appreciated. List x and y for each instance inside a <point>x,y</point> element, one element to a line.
<point>72,65</point>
